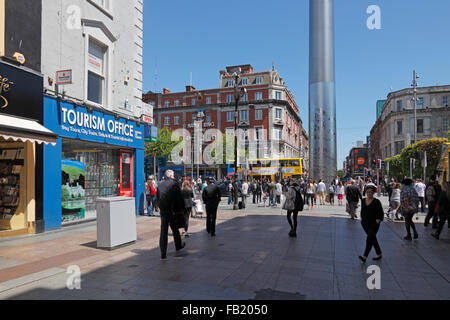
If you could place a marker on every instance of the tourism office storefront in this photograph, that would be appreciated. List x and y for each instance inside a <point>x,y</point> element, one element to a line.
<point>96,155</point>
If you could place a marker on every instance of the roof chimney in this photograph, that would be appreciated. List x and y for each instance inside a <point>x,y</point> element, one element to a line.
<point>190,88</point>
<point>166,91</point>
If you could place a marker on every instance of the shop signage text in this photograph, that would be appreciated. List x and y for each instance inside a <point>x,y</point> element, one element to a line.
<point>5,86</point>
<point>64,77</point>
<point>94,125</point>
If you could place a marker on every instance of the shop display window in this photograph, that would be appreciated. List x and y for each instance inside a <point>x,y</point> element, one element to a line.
<point>89,171</point>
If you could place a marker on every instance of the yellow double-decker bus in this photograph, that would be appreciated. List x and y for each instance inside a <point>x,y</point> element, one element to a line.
<point>270,168</point>
<point>443,169</point>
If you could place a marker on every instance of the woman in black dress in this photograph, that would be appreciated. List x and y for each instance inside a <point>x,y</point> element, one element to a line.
<point>371,217</point>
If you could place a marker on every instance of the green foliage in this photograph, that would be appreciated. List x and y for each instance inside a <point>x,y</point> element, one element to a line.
<point>164,146</point>
<point>399,166</point>
<point>340,173</point>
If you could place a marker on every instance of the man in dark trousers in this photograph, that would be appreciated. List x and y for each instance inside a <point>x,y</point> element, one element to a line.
<point>211,198</point>
<point>169,201</point>
<point>353,197</point>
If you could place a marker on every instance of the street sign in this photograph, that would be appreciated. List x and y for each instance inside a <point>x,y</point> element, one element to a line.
<point>147,119</point>
<point>64,77</point>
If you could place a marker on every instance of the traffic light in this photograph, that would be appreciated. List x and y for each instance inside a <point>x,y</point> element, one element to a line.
<point>379,163</point>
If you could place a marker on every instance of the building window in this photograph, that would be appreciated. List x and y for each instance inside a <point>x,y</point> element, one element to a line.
<point>177,103</point>
<point>399,106</point>
<point>208,117</point>
<point>229,131</point>
<point>230,98</point>
<point>194,117</point>
<point>176,120</point>
<point>102,3</point>
<point>245,97</point>
<point>278,95</point>
<point>445,101</point>
<point>230,116</point>
<point>95,88</point>
<point>419,125</point>
<point>258,115</point>
<point>399,145</point>
<point>230,83</point>
<point>278,114</point>
<point>420,103</point>
<point>194,101</point>
<point>278,134</point>
<point>244,115</point>
<point>259,80</point>
<point>258,96</point>
<point>167,121</point>
<point>399,127</point>
<point>96,72</point>
<point>445,125</point>
<point>167,103</point>
<point>259,133</point>
<point>245,81</point>
<point>208,100</point>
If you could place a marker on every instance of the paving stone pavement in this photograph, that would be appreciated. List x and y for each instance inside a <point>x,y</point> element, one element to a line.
<point>252,258</point>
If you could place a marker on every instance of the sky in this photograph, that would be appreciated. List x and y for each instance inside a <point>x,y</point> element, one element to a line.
<point>202,37</point>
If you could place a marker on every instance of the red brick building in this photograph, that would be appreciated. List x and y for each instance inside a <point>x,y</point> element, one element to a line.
<point>268,105</point>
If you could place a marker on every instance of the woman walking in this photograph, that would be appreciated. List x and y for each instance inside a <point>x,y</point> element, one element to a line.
<point>371,217</point>
<point>394,203</point>
<point>293,204</point>
<point>340,191</point>
<point>188,194</point>
<point>310,191</point>
<point>409,202</point>
<point>331,192</point>
<point>444,208</point>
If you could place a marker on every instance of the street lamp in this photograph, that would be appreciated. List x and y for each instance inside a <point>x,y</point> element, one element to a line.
<point>238,94</point>
<point>414,85</point>
<point>198,140</point>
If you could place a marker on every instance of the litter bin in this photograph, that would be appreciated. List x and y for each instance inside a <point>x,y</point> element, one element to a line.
<point>116,222</point>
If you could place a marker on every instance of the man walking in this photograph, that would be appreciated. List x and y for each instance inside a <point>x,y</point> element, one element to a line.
<point>432,193</point>
<point>420,189</point>
<point>353,196</point>
<point>321,188</point>
<point>211,198</point>
<point>170,201</point>
<point>245,188</point>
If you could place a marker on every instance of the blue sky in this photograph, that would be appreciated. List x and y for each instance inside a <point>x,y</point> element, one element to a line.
<point>205,36</point>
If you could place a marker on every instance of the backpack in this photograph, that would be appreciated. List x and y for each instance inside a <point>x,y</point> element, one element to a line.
<point>431,193</point>
<point>298,199</point>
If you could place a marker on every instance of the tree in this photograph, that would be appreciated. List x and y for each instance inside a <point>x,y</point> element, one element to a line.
<point>399,166</point>
<point>164,146</point>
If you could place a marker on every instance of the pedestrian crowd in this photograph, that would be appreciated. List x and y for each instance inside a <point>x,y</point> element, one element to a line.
<point>177,201</point>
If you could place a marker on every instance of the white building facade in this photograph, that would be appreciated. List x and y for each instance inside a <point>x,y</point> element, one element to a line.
<point>101,42</point>
<point>397,119</point>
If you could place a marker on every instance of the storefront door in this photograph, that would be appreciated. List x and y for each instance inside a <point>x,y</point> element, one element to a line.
<point>126,173</point>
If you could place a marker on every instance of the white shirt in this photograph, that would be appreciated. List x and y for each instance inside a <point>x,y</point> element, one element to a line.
<point>245,189</point>
<point>340,190</point>
<point>322,187</point>
<point>420,188</point>
<point>279,189</point>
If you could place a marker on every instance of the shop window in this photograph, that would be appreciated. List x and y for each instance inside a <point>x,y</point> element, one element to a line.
<point>89,171</point>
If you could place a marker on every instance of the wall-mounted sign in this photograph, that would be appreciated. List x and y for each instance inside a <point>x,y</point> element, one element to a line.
<point>64,77</point>
<point>19,58</point>
<point>20,92</point>
<point>151,134</point>
<point>147,119</point>
<point>147,109</point>
<point>5,86</point>
<point>95,63</point>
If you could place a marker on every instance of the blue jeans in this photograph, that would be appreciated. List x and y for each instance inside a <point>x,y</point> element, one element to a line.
<point>230,197</point>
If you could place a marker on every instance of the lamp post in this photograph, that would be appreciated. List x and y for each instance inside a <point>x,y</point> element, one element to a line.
<point>414,85</point>
<point>237,97</point>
